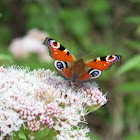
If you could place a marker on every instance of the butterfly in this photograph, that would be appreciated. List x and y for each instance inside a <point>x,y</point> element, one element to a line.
<point>77,70</point>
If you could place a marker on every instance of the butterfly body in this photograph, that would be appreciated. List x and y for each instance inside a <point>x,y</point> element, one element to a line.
<point>77,70</point>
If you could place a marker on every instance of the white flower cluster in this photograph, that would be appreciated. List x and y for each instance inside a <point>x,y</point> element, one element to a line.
<point>42,100</point>
<point>32,42</point>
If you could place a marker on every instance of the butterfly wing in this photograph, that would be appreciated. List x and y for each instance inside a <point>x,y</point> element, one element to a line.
<point>63,58</point>
<point>103,63</point>
<point>57,51</point>
<point>95,67</point>
<point>90,74</point>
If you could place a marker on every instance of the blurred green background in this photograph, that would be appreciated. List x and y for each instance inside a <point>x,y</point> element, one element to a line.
<point>83,26</point>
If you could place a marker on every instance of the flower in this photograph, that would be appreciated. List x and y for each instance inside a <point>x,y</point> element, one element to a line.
<point>30,43</point>
<point>41,100</point>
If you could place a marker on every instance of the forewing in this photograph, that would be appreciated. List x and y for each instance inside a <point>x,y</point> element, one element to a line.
<point>103,63</point>
<point>57,51</point>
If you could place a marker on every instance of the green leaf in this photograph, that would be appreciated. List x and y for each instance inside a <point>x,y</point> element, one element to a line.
<point>130,86</point>
<point>133,44</point>
<point>51,135</point>
<point>45,134</point>
<point>42,134</point>
<point>15,136</point>
<point>21,134</point>
<point>135,136</point>
<point>133,63</point>
<point>133,19</point>
<point>92,108</point>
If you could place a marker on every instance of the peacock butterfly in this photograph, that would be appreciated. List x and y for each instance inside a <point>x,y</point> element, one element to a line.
<point>77,70</point>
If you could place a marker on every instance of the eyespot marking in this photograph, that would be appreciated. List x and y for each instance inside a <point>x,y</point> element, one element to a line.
<point>55,43</point>
<point>94,73</point>
<point>110,57</point>
<point>60,65</point>
<point>66,64</point>
<point>117,58</point>
<point>90,70</point>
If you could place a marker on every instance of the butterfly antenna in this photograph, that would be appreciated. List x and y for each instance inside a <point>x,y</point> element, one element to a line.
<point>91,52</point>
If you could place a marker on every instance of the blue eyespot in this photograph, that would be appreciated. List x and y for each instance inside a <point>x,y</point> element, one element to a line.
<point>117,57</point>
<point>94,73</point>
<point>48,42</point>
<point>60,65</point>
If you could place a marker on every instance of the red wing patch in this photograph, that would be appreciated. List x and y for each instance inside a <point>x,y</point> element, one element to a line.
<point>84,77</point>
<point>103,63</point>
<point>67,73</point>
<point>58,52</point>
